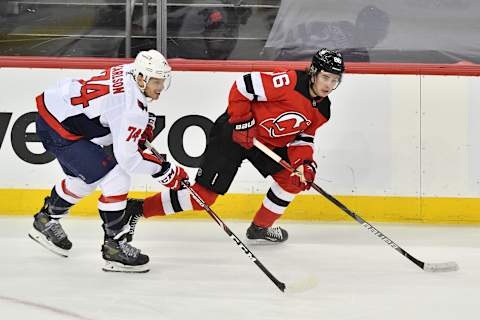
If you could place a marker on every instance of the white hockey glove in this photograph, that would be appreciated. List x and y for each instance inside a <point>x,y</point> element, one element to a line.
<point>171,176</point>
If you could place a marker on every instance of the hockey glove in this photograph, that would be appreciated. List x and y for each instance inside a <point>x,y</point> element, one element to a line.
<point>244,132</point>
<point>147,134</point>
<point>307,171</point>
<point>171,176</point>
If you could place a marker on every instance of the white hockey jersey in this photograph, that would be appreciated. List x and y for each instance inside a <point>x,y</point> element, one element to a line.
<point>106,109</point>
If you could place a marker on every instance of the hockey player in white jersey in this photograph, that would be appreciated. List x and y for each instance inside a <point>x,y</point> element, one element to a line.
<point>76,119</point>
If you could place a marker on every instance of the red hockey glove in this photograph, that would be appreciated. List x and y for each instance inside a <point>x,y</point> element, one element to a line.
<point>244,132</point>
<point>171,176</point>
<point>307,170</point>
<point>147,134</point>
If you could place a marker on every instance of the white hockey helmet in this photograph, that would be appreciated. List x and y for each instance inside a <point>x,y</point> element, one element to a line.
<point>152,64</point>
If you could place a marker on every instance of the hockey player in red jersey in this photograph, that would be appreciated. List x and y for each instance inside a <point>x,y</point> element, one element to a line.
<point>282,110</point>
<point>77,118</point>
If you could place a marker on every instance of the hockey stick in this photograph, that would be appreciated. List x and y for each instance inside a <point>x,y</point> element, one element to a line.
<point>430,267</point>
<point>291,288</point>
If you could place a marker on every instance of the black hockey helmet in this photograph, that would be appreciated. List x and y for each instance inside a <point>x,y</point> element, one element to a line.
<point>327,60</point>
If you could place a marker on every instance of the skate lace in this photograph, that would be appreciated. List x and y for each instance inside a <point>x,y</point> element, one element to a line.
<point>275,233</point>
<point>129,250</point>
<point>133,224</point>
<point>56,229</point>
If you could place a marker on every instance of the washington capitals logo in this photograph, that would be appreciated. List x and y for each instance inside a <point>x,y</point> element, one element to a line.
<point>286,124</point>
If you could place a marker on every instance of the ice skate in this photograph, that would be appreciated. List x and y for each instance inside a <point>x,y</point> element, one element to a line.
<point>120,256</point>
<point>259,235</point>
<point>48,232</point>
<point>134,212</point>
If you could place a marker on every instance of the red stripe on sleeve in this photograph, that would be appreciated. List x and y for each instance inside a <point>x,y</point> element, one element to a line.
<point>53,122</point>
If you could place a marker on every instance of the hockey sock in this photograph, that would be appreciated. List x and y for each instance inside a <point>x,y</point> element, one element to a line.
<point>207,195</point>
<point>152,206</point>
<point>65,194</point>
<point>57,207</point>
<point>171,201</point>
<point>274,205</point>
<point>168,202</point>
<point>114,223</point>
<point>265,218</point>
<point>112,212</point>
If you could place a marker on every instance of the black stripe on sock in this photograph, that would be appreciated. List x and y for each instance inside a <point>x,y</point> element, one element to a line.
<point>303,138</point>
<point>279,202</point>
<point>174,200</point>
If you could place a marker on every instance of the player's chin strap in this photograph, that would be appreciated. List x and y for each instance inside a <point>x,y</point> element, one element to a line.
<point>298,286</point>
<point>431,267</point>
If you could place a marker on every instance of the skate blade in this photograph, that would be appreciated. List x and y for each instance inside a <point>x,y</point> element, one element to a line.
<point>38,237</point>
<point>263,242</point>
<point>113,266</point>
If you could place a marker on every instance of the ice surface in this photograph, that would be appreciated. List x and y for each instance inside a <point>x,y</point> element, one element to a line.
<point>197,272</point>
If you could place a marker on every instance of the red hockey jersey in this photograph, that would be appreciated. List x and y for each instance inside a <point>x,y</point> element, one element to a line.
<point>284,112</point>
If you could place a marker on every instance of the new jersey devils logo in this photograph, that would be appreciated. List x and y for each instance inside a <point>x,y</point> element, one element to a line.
<point>286,124</point>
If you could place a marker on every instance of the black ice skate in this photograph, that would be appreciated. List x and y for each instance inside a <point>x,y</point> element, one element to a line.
<point>49,233</point>
<point>134,212</point>
<point>256,234</point>
<point>120,256</point>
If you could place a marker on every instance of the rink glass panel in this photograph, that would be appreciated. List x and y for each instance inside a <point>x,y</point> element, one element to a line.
<point>428,31</point>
